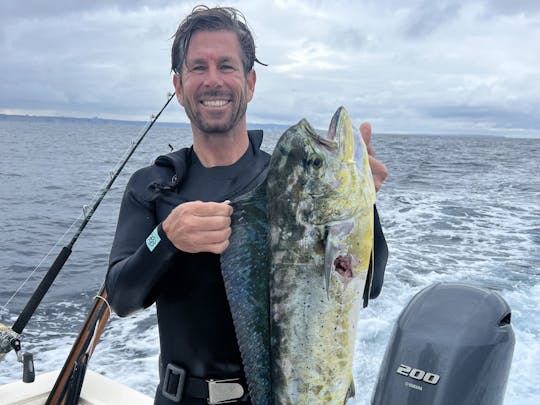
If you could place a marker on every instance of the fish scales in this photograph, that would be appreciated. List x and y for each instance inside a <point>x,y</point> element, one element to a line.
<point>314,225</point>
<point>320,207</point>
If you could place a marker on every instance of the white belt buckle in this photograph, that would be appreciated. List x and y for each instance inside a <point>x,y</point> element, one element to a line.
<point>224,391</point>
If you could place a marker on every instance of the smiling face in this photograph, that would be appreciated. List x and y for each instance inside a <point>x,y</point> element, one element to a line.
<point>213,87</point>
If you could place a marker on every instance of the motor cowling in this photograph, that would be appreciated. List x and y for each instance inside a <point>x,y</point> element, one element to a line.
<point>451,345</point>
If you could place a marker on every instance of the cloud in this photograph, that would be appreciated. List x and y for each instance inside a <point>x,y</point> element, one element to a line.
<point>89,64</point>
<point>429,17</point>
<point>486,116</point>
<point>399,64</point>
<point>503,7</point>
<point>37,9</point>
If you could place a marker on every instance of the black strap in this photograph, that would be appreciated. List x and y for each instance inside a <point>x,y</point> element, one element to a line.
<point>176,384</point>
<point>196,388</point>
<point>76,381</point>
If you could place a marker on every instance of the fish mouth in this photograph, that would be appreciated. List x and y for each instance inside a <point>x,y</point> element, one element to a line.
<point>331,140</point>
<point>327,141</point>
<point>336,123</point>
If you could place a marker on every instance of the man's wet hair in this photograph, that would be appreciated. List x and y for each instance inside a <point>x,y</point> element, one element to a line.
<point>203,18</point>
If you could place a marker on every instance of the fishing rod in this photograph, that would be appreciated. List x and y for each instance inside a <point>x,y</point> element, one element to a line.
<point>68,385</point>
<point>9,337</point>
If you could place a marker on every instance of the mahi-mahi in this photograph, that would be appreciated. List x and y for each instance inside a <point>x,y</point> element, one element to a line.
<point>297,266</point>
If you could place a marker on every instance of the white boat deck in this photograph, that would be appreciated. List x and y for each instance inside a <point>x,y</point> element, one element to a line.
<point>97,390</point>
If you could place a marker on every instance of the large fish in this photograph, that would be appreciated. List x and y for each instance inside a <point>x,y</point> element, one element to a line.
<point>297,266</point>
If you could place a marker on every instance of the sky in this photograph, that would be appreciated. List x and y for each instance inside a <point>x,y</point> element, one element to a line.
<point>409,66</point>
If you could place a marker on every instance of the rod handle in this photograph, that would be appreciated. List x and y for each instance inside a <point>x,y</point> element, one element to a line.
<point>29,374</point>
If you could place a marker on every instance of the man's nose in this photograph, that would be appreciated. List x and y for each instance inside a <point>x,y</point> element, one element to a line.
<point>213,77</point>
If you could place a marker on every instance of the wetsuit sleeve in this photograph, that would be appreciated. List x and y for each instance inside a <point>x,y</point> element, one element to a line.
<point>377,263</point>
<point>140,254</point>
<point>380,254</point>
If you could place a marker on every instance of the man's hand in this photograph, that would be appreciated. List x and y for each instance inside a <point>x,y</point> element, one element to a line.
<point>199,226</point>
<point>378,169</point>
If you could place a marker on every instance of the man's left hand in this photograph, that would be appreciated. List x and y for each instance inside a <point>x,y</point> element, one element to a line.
<point>378,169</point>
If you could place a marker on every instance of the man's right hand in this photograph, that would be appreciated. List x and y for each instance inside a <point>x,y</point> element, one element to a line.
<point>198,226</point>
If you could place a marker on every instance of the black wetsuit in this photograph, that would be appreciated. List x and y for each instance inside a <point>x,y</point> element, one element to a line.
<point>195,324</point>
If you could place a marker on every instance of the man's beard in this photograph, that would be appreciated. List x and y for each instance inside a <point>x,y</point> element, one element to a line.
<point>209,127</point>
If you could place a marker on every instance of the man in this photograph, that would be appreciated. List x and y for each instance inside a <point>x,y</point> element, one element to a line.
<point>175,216</point>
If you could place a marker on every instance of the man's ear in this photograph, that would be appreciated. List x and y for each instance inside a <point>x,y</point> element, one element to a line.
<point>177,83</point>
<point>251,79</point>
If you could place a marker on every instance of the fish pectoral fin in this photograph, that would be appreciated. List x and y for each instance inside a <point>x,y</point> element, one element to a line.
<point>330,253</point>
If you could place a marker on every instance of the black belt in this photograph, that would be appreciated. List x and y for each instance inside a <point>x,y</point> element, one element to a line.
<point>176,384</point>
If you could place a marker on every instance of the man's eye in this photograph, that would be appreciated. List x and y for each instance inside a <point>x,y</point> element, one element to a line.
<point>227,68</point>
<point>198,68</point>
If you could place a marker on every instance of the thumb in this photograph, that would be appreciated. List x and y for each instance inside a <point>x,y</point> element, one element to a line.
<point>365,132</point>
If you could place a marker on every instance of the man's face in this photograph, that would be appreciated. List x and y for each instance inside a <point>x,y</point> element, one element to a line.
<point>213,88</point>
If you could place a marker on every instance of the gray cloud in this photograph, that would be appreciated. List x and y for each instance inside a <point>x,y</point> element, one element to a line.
<point>495,116</point>
<point>429,17</point>
<point>350,37</point>
<point>31,9</point>
<point>528,7</point>
<point>411,66</point>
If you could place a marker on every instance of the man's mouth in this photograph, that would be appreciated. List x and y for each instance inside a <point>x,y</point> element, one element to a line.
<point>214,103</point>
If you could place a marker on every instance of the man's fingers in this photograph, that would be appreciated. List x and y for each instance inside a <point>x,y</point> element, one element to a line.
<point>210,237</point>
<point>365,132</point>
<point>216,248</point>
<point>207,241</point>
<point>378,169</point>
<point>199,226</point>
<point>203,209</point>
<point>207,223</point>
<point>379,172</point>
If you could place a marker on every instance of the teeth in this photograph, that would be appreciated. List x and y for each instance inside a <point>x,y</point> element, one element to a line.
<point>214,103</point>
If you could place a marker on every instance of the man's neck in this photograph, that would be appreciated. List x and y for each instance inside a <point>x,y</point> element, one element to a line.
<point>220,149</point>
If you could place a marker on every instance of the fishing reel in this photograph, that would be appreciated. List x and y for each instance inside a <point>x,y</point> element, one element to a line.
<point>10,340</point>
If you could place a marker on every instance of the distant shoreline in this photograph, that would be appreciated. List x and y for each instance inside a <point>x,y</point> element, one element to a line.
<point>77,119</point>
<point>252,125</point>
<point>53,118</point>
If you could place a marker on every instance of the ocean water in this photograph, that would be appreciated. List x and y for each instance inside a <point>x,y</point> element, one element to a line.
<point>458,209</point>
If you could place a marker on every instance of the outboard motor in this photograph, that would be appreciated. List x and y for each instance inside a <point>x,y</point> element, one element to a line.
<point>451,345</point>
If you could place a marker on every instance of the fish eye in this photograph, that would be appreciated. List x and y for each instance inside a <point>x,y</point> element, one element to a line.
<point>317,162</point>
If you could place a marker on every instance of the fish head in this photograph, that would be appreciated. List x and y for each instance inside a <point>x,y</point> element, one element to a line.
<point>321,178</point>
